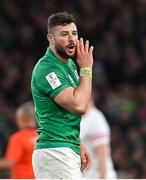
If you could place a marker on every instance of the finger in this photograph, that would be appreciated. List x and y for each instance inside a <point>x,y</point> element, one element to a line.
<point>87,46</point>
<point>83,161</point>
<point>83,157</point>
<point>91,50</point>
<point>89,160</point>
<point>87,164</point>
<point>78,47</point>
<point>77,44</point>
<point>83,167</point>
<point>86,168</point>
<point>81,45</point>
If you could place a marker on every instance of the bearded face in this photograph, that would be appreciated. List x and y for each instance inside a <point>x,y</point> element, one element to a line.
<point>64,40</point>
<point>66,51</point>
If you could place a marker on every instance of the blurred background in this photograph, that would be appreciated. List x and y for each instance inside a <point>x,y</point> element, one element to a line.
<point>117,29</point>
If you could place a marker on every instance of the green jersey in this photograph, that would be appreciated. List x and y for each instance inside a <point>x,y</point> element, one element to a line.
<point>57,126</point>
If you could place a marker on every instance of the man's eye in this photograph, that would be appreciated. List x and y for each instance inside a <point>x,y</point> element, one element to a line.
<point>64,34</point>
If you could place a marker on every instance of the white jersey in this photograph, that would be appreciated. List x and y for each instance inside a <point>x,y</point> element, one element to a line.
<point>95,131</point>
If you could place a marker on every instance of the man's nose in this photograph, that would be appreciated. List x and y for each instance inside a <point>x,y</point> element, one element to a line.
<point>70,38</point>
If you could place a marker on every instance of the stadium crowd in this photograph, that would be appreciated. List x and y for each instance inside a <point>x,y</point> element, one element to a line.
<point>117,29</point>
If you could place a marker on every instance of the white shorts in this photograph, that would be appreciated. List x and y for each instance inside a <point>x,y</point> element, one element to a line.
<point>56,163</point>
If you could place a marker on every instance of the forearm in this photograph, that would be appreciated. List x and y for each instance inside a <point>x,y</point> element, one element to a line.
<point>102,168</point>
<point>76,100</point>
<point>101,154</point>
<point>82,93</point>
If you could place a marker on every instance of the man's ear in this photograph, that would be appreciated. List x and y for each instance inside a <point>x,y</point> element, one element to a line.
<point>50,38</point>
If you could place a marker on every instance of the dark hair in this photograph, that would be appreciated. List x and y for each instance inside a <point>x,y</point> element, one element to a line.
<point>61,18</point>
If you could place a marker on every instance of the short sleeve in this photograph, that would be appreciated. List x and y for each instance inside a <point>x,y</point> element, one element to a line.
<point>14,148</point>
<point>52,81</point>
<point>102,134</point>
<point>99,129</point>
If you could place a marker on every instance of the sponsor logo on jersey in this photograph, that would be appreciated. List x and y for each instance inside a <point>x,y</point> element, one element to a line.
<point>53,80</point>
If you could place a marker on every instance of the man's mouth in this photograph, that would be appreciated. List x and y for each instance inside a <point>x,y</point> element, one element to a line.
<point>71,47</point>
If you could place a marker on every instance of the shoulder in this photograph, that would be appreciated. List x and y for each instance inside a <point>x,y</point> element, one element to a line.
<point>94,114</point>
<point>102,121</point>
<point>98,114</point>
<point>19,133</point>
<point>15,137</point>
<point>97,119</point>
<point>22,134</point>
<point>43,69</point>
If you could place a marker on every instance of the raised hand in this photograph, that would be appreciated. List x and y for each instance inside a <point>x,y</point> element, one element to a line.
<point>84,54</point>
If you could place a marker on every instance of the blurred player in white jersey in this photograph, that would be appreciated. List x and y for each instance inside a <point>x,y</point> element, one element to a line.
<point>95,133</point>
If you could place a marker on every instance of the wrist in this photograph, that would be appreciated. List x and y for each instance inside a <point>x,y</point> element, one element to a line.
<point>86,71</point>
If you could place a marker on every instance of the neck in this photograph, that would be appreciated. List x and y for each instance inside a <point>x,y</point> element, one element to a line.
<point>64,60</point>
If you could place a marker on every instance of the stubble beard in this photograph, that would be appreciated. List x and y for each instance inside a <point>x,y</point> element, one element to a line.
<point>61,52</point>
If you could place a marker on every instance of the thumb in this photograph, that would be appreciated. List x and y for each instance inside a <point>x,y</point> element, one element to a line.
<point>83,158</point>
